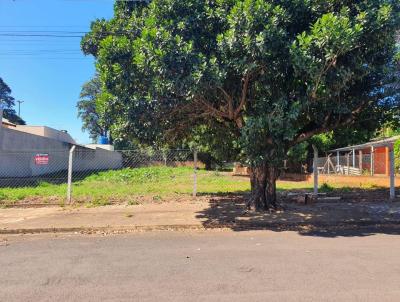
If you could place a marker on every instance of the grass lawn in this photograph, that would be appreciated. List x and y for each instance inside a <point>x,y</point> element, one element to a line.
<point>134,185</point>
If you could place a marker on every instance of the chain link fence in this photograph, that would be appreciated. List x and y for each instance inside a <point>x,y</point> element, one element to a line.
<point>91,172</point>
<point>354,164</point>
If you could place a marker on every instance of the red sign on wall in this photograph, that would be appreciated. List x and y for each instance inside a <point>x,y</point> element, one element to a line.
<point>41,159</point>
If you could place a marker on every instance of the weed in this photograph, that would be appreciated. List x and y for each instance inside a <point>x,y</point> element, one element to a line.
<point>98,202</point>
<point>346,189</point>
<point>133,202</point>
<point>3,196</point>
<point>157,198</point>
<point>325,188</point>
<point>44,184</point>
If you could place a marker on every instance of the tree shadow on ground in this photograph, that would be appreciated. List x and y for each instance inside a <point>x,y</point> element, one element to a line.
<point>323,219</point>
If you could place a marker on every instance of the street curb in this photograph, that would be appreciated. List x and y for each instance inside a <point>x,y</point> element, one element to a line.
<point>107,229</point>
<point>219,226</point>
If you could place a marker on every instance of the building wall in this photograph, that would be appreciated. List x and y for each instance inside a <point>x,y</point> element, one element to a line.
<point>46,132</point>
<point>13,140</point>
<point>381,160</point>
<point>18,150</point>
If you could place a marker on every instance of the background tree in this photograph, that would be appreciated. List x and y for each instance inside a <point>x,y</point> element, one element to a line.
<point>8,103</point>
<point>271,74</point>
<point>93,110</point>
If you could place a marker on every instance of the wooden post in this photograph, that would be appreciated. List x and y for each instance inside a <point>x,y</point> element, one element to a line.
<point>69,188</point>
<point>372,161</point>
<point>315,170</point>
<point>354,158</point>
<point>348,163</point>
<point>392,174</point>
<point>360,160</point>
<point>195,173</point>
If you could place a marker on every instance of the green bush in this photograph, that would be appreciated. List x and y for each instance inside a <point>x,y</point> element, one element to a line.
<point>325,188</point>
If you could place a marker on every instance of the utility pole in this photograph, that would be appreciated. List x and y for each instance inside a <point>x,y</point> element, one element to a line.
<point>19,107</point>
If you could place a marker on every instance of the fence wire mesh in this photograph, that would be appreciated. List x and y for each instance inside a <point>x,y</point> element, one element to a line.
<point>97,172</point>
<point>376,163</point>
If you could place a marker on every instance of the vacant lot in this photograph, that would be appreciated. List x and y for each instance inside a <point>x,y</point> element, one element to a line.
<point>139,185</point>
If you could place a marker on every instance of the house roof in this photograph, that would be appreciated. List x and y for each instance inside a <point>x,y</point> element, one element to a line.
<point>7,122</point>
<point>375,143</point>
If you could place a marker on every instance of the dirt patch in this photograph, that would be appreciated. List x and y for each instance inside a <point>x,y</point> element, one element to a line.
<point>230,211</point>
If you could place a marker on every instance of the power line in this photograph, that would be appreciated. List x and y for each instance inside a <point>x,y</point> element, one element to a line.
<point>41,26</point>
<point>43,31</point>
<point>41,35</point>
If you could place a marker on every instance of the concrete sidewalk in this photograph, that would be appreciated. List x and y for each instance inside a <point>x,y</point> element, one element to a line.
<point>218,212</point>
<point>20,220</point>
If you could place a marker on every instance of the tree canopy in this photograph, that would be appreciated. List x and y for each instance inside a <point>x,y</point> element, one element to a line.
<point>265,75</point>
<point>92,109</point>
<point>8,103</point>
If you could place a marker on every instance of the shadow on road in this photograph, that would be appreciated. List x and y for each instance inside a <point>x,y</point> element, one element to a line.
<point>321,219</point>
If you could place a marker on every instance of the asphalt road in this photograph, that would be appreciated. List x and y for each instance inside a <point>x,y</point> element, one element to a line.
<point>201,266</point>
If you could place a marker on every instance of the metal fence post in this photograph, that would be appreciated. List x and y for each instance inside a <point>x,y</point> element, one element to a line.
<point>69,187</point>
<point>195,173</point>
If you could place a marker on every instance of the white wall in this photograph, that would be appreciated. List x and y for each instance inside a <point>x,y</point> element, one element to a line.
<point>18,150</point>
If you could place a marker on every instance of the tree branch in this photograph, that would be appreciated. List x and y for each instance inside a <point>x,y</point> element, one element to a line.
<point>328,127</point>
<point>229,100</point>
<point>243,98</point>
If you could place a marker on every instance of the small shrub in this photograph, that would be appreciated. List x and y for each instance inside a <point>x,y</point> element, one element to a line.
<point>325,188</point>
<point>346,189</point>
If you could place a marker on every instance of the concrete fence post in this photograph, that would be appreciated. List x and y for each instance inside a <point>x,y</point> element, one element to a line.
<point>392,174</point>
<point>165,158</point>
<point>194,173</point>
<point>69,187</point>
<point>372,161</point>
<point>338,159</point>
<point>315,169</point>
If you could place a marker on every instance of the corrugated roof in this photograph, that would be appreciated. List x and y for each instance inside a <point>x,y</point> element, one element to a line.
<point>376,143</point>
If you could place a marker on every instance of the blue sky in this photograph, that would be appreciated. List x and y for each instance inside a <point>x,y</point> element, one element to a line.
<point>47,72</point>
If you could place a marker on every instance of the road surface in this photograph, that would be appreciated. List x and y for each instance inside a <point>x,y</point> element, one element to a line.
<point>201,266</point>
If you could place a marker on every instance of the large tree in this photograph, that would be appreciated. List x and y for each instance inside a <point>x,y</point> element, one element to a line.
<point>271,74</point>
<point>7,101</point>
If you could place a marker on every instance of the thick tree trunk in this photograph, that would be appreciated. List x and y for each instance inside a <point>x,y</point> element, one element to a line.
<point>272,174</point>
<point>258,183</point>
<point>263,187</point>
